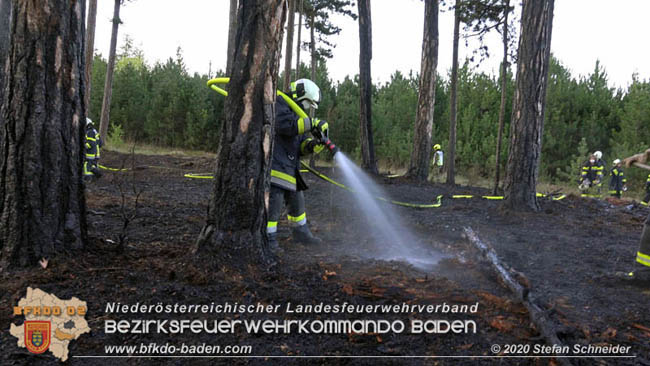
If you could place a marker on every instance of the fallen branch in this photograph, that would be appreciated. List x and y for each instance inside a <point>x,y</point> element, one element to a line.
<point>638,160</point>
<point>506,274</point>
<point>519,284</point>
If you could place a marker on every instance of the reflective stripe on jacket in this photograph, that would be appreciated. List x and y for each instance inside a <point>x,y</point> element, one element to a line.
<point>592,172</point>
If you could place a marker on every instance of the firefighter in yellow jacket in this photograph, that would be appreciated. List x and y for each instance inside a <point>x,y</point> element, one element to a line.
<point>617,183</point>
<point>93,145</point>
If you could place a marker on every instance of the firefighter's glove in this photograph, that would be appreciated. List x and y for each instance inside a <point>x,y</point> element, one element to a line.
<point>318,148</point>
<point>315,146</point>
<point>320,129</point>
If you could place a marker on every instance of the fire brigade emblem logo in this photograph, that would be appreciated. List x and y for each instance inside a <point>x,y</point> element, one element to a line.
<point>37,335</point>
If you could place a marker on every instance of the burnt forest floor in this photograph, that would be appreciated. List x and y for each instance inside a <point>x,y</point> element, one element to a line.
<point>568,252</point>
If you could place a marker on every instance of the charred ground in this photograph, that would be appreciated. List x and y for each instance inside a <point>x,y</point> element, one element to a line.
<point>568,252</point>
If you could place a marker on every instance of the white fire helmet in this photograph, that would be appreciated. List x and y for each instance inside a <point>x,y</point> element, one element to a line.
<point>306,92</point>
<point>598,155</point>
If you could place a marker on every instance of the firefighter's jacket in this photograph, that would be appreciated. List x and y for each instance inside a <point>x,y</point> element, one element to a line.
<point>592,172</point>
<point>291,142</point>
<point>437,158</point>
<point>617,181</point>
<point>93,143</point>
<point>603,163</point>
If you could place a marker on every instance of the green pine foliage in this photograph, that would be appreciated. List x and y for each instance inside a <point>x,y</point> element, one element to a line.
<point>162,104</point>
<point>159,105</point>
<point>573,171</point>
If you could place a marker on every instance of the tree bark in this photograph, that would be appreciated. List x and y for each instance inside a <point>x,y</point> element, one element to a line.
<point>365,84</point>
<point>453,102</point>
<point>108,85</point>
<point>421,153</point>
<point>5,26</point>
<point>502,107</point>
<point>235,232</point>
<point>298,41</point>
<point>90,50</point>
<point>232,32</point>
<point>289,46</point>
<point>312,48</point>
<point>42,205</point>
<point>527,121</point>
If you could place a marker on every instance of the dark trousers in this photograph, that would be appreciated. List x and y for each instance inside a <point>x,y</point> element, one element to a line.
<point>295,202</point>
<point>91,168</point>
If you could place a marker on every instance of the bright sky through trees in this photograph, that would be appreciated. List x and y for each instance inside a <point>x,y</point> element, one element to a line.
<point>583,31</point>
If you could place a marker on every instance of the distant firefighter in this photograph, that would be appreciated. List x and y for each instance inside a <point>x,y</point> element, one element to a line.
<point>93,145</point>
<point>591,177</point>
<point>617,181</point>
<point>438,160</point>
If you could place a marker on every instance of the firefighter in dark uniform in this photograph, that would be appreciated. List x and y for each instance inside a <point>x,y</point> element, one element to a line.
<point>643,254</point>
<point>618,180</point>
<point>292,142</point>
<point>591,176</point>
<point>646,199</point>
<point>642,269</point>
<point>93,145</point>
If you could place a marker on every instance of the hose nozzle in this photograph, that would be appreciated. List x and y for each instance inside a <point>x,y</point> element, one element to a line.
<point>330,146</point>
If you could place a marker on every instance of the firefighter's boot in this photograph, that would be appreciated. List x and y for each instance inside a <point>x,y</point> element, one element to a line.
<point>273,243</point>
<point>302,234</point>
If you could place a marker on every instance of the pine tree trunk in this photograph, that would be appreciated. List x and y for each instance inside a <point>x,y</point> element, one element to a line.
<point>312,47</point>
<point>90,50</point>
<point>453,102</point>
<point>232,32</point>
<point>108,85</point>
<point>298,40</point>
<point>235,232</point>
<point>365,84</point>
<point>421,153</point>
<point>502,107</point>
<point>289,47</point>
<point>312,51</point>
<point>527,121</point>
<point>42,205</point>
<point>5,26</point>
